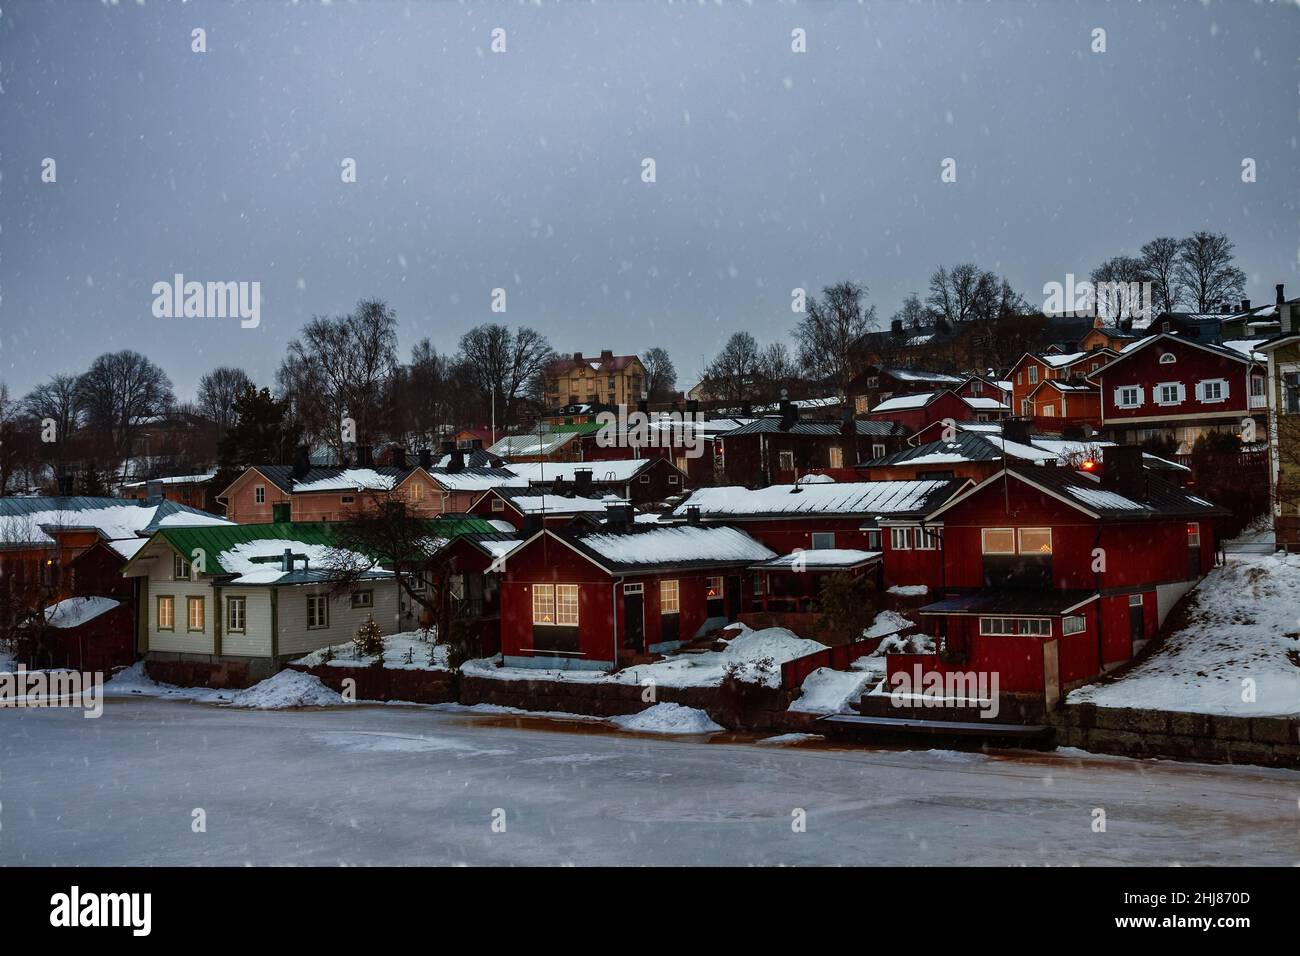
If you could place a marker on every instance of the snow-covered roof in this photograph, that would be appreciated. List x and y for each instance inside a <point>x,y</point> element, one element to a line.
<point>620,471</point>
<point>1247,347</point>
<point>350,479</point>
<point>477,479</point>
<point>650,547</point>
<point>531,445</point>
<point>75,611</point>
<point>902,402</point>
<point>173,480</point>
<point>856,498</point>
<point>29,520</point>
<point>820,558</point>
<point>531,502</point>
<point>259,562</point>
<point>987,403</point>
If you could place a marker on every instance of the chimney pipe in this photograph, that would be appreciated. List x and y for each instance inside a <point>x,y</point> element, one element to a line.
<point>399,457</point>
<point>1122,470</point>
<point>582,481</point>
<point>693,514</point>
<point>286,560</point>
<point>426,459</point>
<point>301,463</point>
<point>1281,294</point>
<point>457,461</point>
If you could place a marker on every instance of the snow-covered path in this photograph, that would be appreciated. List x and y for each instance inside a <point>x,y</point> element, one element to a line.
<point>397,785</point>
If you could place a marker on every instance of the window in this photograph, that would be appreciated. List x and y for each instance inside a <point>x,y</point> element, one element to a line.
<point>1291,393</point>
<point>318,611</point>
<point>877,450</point>
<point>1035,540</point>
<point>997,626</point>
<point>1169,358</point>
<point>1026,408</point>
<point>236,614</point>
<point>346,499</point>
<point>1212,390</point>
<point>362,599</point>
<point>900,539</point>
<point>1193,534</point>
<point>1074,624</point>
<point>926,539</point>
<point>1039,627</point>
<point>668,597</point>
<point>873,540</point>
<point>180,568</point>
<point>1135,600</point>
<point>498,504</point>
<point>194,616</point>
<point>713,586</point>
<point>418,584</point>
<point>417,491</point>
<point>566,605</point>
<point>977,388</point>
<point>823,540</point>
<point>1033,374</point>
<point>1164,326</point>
<point>758,584</point>
<point>837,456</point>
<point>645,479</point>
<point>673,479</point>
<point>1169,393</point>
<point>555,604</point>
<point>873,381</point>
<point>1128,396</point>
<point>1256,386</point>
<point>1049,411</point>
<point>998,541</point>
<point>166,612</point>
<point>1013,627</point>
<point>259,494</point>
<point>786,461</point>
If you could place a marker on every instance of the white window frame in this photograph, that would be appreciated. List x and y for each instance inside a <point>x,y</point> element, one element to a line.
<point>1193,534</point>
<point>1138,391</point>
<point>1137,600</point>
<point>259,494</point>
<point>498,504</point>
<point>714,583</point>
<point>566,605</point>
<point>1202,391</point>
<point>1158,393</point>
<point>926,539</point>
<point>1168,358</point>
<point>984,540</point>
<point>903,535</point>
<point>670,597</point>
<point>878,450</point>
<point>1073,624</point>
<point>823,535</point>
<point>318,606</point>
<point>1033,374</point>
<point>836,456</point>
<point>1020,541</point>
<point>182,570</point>
<point>236,622</point>
<point>782,457</point>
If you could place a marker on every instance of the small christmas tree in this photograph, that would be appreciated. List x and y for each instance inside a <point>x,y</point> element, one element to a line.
<point>368,641</point>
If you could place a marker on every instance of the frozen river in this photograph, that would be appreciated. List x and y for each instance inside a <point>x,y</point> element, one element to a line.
<point>398,785</point>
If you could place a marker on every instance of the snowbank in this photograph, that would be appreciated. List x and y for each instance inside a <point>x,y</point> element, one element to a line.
<point>887,622</point>
<point>287,689</point>
<point>1243,626</point>
<point>75,611</point>
<point>828,691</point>
<point>668,719</point>
<point>909,590</point>
<point>134,682</point>
<point>787,740</point>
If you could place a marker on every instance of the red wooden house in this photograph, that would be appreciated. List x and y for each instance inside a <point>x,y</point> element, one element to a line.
<point>915,412</point>
<point>1170,386</point>
<point>553,505</point>
<point>1059,403</point>
<point>583,600</point>
<point>866,516</point>
<point>1032,370</point>
<point>1051,575</point>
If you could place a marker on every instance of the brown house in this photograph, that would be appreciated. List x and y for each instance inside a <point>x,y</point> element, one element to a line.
<point>608,380</point>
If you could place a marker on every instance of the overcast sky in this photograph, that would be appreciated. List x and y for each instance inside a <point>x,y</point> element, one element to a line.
<point>522,170</point>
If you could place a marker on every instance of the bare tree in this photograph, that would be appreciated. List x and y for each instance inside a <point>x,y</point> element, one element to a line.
<point>913,314</point>
<point>218,391</point>
<point>505,367</point>
<point>777,370</point>
<point>958,294</point>
<point>346,361</point>
<point>1111,283</point>
<point>732,375</point>
<point>119,393</point>
<point>1205,269</point>
<point>661,374</point>
<point>59,402</point>
<point>830,329</point>
<point>1159,259</point>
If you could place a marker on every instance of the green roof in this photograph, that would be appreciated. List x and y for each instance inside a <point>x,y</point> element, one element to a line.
<point>216,539</point>
<point>582,428</point>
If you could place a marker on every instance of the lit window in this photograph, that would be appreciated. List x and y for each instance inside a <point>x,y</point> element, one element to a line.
<point>566,605</point>
<point>713,586</point>
<point>900,539</point>
<point>998,541</point>
<point>823,540</point>
<point>259,494</point>
<point>1075,624</point>
<point>498,504</point>
<point>194,616</point>
<point>166,613</point>
<point>318,611</point>
<point>236,614</point>
<point>1035,540</point>
<point>1193,534</point>
<point>668,597</point>
<point>837,456</point>
<point>417,491</point>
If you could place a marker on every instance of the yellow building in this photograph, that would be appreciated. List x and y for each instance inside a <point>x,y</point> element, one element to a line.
<point>1283,353</point>
<point>608,380</point>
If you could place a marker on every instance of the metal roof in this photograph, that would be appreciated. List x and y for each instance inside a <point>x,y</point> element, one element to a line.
<point>772,425</point>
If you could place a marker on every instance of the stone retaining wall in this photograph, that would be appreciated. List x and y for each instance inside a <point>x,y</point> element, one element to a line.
<point>1130,732</point>
<point>389,683</point>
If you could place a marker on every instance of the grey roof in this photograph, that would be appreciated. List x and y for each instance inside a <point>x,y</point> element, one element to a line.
<point>772,425</point>
<point>282,475</point>
<point>1156,498</point>
<point>1012,601</point>
<point>969,445</point>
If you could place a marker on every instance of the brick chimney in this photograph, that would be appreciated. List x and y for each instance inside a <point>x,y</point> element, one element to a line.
<point>426,459</point>
<point>577,358</point>
<point>1122,472</point>
<point>1281,293</point>
<point>582,481</point>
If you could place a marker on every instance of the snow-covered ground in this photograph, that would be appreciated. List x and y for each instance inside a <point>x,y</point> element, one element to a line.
<point>407,785</point>
<point>755,655</point>
<point>1239,656</point>
<point>423,653</point>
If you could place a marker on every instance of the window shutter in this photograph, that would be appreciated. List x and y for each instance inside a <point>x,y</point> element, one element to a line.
<point>1200,392</point>
<point>1225,389</point>
<point>1182,392</point>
